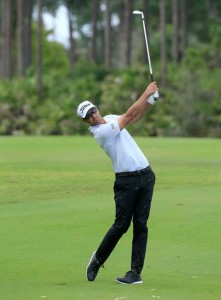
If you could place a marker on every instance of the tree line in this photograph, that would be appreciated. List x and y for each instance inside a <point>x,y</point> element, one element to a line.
<point>105,43</point>
<point>107,51</point>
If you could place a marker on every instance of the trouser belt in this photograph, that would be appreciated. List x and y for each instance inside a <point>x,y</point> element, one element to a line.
<point>134,173</point>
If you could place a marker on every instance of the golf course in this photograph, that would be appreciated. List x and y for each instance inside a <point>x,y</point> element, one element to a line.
<point>56,204</point>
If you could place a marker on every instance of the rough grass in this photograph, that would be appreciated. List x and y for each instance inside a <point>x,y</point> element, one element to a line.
<point>56,203</point>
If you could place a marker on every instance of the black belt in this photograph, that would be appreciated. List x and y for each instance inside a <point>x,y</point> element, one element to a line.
<point>134,173</point>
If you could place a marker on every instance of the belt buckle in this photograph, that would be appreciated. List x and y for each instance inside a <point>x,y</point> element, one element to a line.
<point>140,172</point>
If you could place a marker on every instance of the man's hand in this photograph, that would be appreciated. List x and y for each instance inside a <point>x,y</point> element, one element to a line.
<point>151,89</point>
<point>153,97</point>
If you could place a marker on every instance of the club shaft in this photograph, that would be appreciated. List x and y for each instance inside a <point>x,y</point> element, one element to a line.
<point>147,47</point>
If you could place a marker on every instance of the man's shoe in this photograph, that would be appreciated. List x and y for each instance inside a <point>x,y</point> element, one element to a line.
<point>130,277</point>
<point>92,267</point>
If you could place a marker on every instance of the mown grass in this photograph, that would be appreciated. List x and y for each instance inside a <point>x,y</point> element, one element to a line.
<point>56,203</point>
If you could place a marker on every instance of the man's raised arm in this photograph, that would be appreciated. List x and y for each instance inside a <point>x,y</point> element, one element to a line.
<point>138,109</point>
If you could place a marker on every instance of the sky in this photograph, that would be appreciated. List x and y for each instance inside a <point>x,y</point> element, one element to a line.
<point>59,24</point>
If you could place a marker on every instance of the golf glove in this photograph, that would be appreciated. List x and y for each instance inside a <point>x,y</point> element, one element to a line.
<point>152,98</point>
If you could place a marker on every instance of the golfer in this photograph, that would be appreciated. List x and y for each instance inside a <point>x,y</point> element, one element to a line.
<point>133,186</point>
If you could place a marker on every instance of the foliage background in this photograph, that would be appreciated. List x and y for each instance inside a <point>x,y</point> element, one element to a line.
<point>190,101</point>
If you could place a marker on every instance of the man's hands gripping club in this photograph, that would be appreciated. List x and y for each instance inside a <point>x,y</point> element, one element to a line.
<point>153,98</point>
<point>152,90</point>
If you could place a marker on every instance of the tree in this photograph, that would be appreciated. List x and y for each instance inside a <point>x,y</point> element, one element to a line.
<point>146,14</point>
<point>175,31</point>
<point>163,45</point>
<point>184,28</point>
<point>39,50</point>
<point>6,40</point>
<point>71,38</point>
<point>28,33</point>
<point>24,35</point>
<point>107,34</point>
<point>127,32</point>
<point>79,14</point>
<point>95,9</point>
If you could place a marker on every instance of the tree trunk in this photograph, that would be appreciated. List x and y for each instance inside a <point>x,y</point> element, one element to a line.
<point>5,41</point>
<point>24,51</point>
<point>163,46</point>
<point>127,32</point>
<point>94,30</point>
<point>184,27</point>
<point>28,33</point>
<point>71,39</point>
<point>39,50</point>
<point>20,37</point>
<point>146,16</point>
<point>107,35</point>
<point>175,31</point>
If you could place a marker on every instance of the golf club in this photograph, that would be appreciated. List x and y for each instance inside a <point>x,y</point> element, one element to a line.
<point>138,12</point>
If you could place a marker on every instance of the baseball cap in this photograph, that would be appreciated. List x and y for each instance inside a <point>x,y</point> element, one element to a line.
<point>83,108</point>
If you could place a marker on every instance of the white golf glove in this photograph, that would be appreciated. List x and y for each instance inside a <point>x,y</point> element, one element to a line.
<point>152,98</point>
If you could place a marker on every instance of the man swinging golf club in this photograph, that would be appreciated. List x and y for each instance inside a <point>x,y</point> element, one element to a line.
<point>133,186</point>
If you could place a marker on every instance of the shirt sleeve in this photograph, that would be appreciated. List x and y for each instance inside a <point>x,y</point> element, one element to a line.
<point>107,132</point>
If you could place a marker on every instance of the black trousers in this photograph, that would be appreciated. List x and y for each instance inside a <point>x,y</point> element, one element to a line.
<point>133,195</point>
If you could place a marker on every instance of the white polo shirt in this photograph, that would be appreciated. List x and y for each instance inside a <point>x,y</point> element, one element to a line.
<point>126,156</point>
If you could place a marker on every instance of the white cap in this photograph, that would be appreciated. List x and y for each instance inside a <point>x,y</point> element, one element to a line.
<point>83,108</point>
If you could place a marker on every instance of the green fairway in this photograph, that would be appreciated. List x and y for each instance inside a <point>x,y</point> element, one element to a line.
<point>56,204</point>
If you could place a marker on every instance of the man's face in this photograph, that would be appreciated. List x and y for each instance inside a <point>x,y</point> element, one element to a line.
<point>92,117</point>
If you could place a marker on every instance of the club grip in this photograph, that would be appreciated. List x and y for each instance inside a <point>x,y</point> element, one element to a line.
<point>151,78</point>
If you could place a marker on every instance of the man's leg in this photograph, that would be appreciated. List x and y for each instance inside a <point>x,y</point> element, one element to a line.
<point>125,194</point>
<point>140,217</point>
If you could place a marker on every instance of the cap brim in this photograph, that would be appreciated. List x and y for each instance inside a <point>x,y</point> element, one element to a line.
<point>87,109</point>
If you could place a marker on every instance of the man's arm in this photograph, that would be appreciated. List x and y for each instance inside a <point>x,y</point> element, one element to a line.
<point>138,109</point>
<point>141,114</point>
